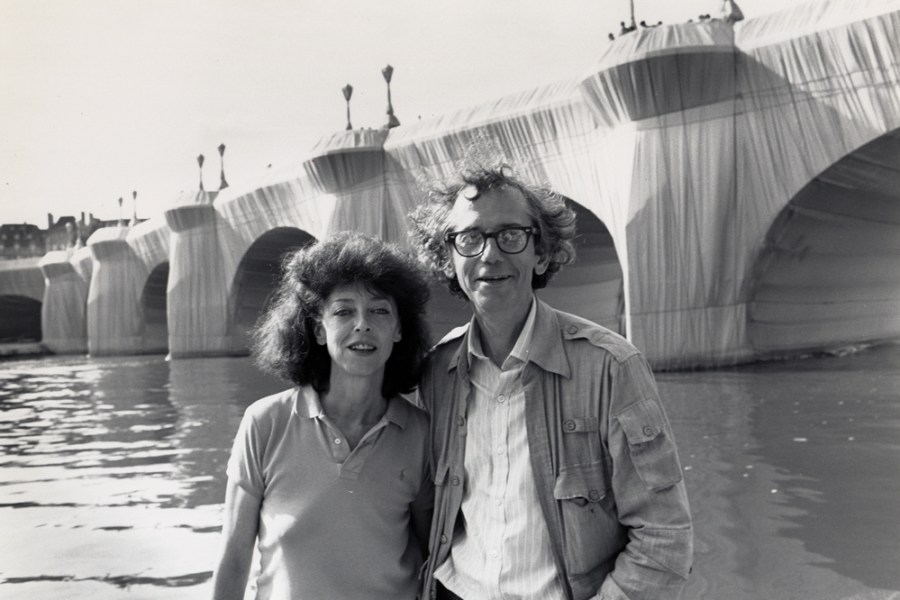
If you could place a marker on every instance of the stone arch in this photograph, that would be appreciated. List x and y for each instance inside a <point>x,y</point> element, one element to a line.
<point>592,287</point>
<point>21,320</point>
<point>258,273</point>
<point>829,272</point>
<point>154,301</point>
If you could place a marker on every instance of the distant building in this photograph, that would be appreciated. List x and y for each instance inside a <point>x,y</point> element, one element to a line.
<point>24,240</point>
<point>21,240</point>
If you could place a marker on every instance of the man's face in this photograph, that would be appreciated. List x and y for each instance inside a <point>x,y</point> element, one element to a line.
<point>497,283</point>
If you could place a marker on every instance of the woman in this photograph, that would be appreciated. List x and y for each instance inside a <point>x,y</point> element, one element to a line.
<point>332,476</point>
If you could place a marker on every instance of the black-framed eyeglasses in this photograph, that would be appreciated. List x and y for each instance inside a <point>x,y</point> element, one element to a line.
<point>510,240</point>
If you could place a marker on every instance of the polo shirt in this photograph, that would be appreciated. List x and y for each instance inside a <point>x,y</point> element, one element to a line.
<point>334,523</point>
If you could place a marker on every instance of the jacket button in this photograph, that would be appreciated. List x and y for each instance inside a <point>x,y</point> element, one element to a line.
<point>573,329</point>
<point>443,539</point>
<point>569,425</point>
<point>460,421</point>
<point>594,495</point>
<point>454,480</point>
<point>648,431</point>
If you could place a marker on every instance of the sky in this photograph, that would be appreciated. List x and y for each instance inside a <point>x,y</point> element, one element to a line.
<point>100,98</point>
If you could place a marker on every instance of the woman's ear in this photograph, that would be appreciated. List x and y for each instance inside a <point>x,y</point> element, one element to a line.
<point>319,332</point>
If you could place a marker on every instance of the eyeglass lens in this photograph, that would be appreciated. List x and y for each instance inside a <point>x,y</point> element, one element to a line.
<point>510,241</point>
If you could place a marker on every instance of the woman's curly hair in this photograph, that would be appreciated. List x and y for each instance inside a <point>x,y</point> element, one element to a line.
<point>284,341</point>
<point>555,220</point>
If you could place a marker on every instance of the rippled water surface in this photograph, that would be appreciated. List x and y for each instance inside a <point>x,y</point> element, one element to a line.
<point>112,475</point>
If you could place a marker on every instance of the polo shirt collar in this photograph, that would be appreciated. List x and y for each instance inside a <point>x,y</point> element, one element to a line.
<point>309,405</point>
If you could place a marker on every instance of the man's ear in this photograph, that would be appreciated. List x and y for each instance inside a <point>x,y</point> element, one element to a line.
<point>541,266</point>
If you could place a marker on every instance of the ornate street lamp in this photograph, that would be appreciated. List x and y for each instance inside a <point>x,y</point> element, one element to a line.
<point>222,183</point>
<point>388,72</point>
<point>348,92</point>
<point>200,163</point>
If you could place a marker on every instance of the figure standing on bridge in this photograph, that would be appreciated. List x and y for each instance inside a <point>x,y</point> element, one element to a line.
<point>556,470</point>
<point>332,476</point>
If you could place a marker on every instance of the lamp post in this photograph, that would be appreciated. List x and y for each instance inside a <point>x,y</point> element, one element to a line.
<point>200,164</point>
<point>133,208</point>
<point>222,183</point>
<point>348,92</point>
<point>393,121</point>
<point>121,220</point>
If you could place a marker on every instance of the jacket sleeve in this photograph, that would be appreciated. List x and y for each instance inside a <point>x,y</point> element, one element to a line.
<point>649,490</point>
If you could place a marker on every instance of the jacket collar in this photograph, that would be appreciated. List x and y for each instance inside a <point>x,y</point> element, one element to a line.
<point>547,349</point>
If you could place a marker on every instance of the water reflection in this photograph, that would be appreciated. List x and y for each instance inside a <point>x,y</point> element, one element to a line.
<point>117,464</point>
<point>793,470</point>
<point>112,475</point>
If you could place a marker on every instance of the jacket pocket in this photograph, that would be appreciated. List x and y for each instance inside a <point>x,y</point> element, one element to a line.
<point>591,532</point>
<point>650,445</point>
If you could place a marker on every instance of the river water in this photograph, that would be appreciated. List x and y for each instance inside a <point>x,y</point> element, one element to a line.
<point>112,475</point>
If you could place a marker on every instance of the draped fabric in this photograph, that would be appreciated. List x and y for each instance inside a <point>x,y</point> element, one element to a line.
<point>22,277</point>
<point>197,306</point>
<point>114,313</point>
<point>63,316</point>
<point>826,267</point>
<point>736,188</point>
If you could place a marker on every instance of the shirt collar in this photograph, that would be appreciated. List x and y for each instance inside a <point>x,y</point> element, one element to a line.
<point>541,326</point>
<point>520,349</point>
<point>309,404</point>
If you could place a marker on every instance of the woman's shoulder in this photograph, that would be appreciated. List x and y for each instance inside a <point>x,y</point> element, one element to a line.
<point>274,406</point>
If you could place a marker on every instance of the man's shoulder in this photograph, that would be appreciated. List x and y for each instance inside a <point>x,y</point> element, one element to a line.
<point>450,342</point>
<point>575,328</point>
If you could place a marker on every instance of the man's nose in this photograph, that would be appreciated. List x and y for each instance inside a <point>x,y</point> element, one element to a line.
<point>491,252</point>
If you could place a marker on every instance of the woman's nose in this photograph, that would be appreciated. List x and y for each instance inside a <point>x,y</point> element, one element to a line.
<point>362,324</point>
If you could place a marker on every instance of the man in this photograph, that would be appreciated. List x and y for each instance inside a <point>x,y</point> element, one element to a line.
<point>555,468</point>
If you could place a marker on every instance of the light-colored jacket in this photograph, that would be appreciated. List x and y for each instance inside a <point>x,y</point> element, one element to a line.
<point>602,453</point>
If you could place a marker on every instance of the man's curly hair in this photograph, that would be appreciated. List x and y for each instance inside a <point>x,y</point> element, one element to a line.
<point>555,220</point>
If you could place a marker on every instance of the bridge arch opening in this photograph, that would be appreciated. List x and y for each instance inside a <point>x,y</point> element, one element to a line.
<point>154,301</point>
<point>258,273</point>
<point>828,276</point>
<point>592,287</point>
<point>21,322</point>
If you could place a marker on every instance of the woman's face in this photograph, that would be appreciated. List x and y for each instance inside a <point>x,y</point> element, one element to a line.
<point>360,328</point>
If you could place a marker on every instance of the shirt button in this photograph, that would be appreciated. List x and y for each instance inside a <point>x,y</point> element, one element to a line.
<point>460,421</point>
<point>594,495</point>
<point>573,329</point>
<point>454,480</point>
<point>443,539</point>
<point>501,399</point>
<point>495,554</point>
<point>500,450</point>
<point>569,425</point>
<point>499,502</point>
<point>648,430</point>
<point>337,440</point>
